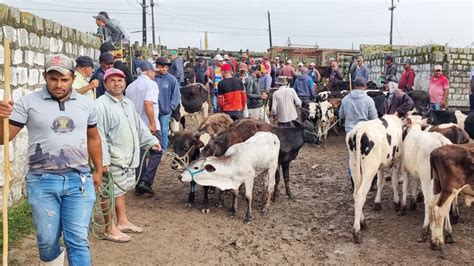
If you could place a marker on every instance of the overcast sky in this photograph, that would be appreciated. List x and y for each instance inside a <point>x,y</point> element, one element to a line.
<point>234,24</point>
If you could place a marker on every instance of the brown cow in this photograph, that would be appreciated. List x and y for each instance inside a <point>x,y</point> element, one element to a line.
<point>215,124</point>
<point>452,171</point>
<point>451,131</point>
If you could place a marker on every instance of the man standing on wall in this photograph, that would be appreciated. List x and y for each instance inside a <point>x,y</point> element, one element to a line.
<point>407,80</point>
<point>390,70</point>
<point>84,68</point>
<point>62,135</point>
<point>231,94</point>
<point>438,89</point>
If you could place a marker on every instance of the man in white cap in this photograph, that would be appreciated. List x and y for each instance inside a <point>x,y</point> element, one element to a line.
<point>62,135</point>
<point>288,71</point>
<point>314,73</point>
<point>438,89</point>
<point>214,76</point>
<point>123,134</point>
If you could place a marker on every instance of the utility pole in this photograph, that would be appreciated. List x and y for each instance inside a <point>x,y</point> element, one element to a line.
<point>391,21</point>
<point>152,4</point>
<point>206,41</point>
<point>144,22</point>
<point>270,29</point>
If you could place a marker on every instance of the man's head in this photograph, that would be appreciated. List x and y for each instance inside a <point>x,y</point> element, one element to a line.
<point>312,65</point>
<point>360,61</point>
<point>281,81</point>
<point>100,20</point>
<point>138,54</point>
<point>227,70</point>
<point>173,54</point>
<point>84,65</point>
<point>154,55</point>
<point>106,47</point>
<point>360,83</point>
<point>106,60</point>
<point>300,65</point>
<point>334,64</point>
<point>162,65</point>
<point>147,69</point>
<point>243,68</point>
<point>103,13</point>
<point>407,64</point>
<point>59,75</point>
<point>218,60</point>
<point>303,70</point>
<point>114,80</point>
<point>438,70</point>
<point>289,62</point>
<point>388,60</point>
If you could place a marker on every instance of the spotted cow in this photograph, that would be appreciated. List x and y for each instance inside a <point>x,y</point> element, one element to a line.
<point>193,100</point>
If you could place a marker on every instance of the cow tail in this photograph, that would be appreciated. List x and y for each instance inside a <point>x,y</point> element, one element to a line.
<point>434,174</point>
<point>357,173</point>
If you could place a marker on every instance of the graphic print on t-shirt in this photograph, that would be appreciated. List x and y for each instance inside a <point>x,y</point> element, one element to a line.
<point>63,124</point>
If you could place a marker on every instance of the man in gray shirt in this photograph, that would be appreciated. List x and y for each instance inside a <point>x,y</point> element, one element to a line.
<point>62,133</point>
<point>390,70</point>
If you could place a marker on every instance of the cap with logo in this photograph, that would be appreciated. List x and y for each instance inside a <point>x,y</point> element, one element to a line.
<point>60,63</point>
<point>113,72</point>
<point>84,61</point>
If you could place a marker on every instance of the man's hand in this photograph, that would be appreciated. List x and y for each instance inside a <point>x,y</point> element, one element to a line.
<point>443,104</point>
<point>97,177</point>
<point>6,109</point>
<point>397,114</point>
<point>153,128</point>
<point>264,96</point>
<point>94,84</point>
<point>156,147</point>
<point>106,169</point>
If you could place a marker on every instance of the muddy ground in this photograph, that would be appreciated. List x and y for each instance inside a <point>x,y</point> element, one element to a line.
<point>315,227</point>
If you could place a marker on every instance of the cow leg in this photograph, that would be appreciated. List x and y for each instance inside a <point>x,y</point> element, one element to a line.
<point>277,181</point>
<point>205,202</point>
<point>405,183</point>
<point>270,187</point>
<point>380,185</point>
<point>174,126</point>
<point>219,199</point>
<point>249,194</point>
<point>426,188</point>
<point>192,190</point>
<point>395,179</point>
<point>360,196</point>
<point>233,209</point>
<point>448,238</point>
<point>286,177</point>
<point>182,121</point>
<point>413,183</point>
<point>454,211</point>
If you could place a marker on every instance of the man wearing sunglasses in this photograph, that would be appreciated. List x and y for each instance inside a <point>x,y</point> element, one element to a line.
<point>106,61</point>
<point>438,89</point>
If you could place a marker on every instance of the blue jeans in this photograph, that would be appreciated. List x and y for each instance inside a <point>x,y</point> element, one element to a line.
<point>435,106</point>
<point>215,104</point>
<point>59,207</point>
<point>165,128</point>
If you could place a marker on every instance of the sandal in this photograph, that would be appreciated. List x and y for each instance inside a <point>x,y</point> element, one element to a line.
<point>118,239</point>
<point>130,229</point>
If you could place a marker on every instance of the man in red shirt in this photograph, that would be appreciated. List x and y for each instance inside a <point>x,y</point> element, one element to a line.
<point>407,80</point>
<point>438,89</point>
<point>231,94</point>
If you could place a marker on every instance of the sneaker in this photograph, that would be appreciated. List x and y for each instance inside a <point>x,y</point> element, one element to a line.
<point>144,189</point>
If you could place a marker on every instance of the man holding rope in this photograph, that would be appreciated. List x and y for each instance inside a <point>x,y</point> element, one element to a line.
<point>123,134</point>
<point>62,133</point>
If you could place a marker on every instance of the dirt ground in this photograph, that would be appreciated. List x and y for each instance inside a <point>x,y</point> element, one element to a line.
<point>315,227</point>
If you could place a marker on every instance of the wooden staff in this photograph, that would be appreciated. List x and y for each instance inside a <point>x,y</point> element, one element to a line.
<point>6,149</point>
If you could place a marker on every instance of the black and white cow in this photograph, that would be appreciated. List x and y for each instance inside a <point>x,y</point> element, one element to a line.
<point>466,122</point>
<point>373,146</point>
<point>421,100</point>
<point>194,99</point>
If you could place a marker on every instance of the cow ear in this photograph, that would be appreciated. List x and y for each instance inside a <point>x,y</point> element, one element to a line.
<point>408,122</point>
<point>209,168</point>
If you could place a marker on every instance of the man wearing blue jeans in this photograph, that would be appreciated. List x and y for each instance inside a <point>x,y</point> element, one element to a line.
<point>168,98</point>
<point>62,135</point>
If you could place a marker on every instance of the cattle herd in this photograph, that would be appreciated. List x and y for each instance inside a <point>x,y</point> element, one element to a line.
<point>428,149</point>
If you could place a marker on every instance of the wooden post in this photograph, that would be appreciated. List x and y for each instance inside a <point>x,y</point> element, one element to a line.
<point>6,149</point>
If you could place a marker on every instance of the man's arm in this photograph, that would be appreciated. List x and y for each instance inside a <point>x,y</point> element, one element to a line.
<point>406,106</point>
<point>5,111</point>
<point>150,113</point>
<point>92,85</point>
<point>94,147</point>
<point>372,110</point>
<point>249,86</point>
<point>175,95</point>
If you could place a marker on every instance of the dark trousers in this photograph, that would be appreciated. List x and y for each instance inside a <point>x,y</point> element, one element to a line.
<point>305,100</point>
<point>235,115</point>
<point>471,101</point>
<point>148,169</point>
<point>286,124</point>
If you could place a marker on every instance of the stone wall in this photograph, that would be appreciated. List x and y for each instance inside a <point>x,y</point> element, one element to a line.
<point>456,63</point>
<point>32,39</point>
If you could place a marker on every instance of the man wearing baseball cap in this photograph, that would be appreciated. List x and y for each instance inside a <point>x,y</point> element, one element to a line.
<point>214,76</point>
<point>231,94</point>
<point>438,89</point>
<point>84,68</point>
<point>106,61</point>
<point>62,135</point>
<point>123,133</point>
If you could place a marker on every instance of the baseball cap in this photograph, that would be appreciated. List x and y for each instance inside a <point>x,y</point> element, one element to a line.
<point>389,57</point>
<point>226,57</point>
<point>360,82</point>
<point>226,67</point>
<point>107,58</point>
<point>101,17</point>
<point>438,67</point>
<point>154,53</point>
<point>113,72</point>
<point>173,52</point>
<point>408,61</point>
<point>163,61</point>
<point>312,64</point>
<point>289,61</point>
<point>60,63</point>
<point>218,57</point>
<point>243,66</point>
<point>300,64</point>
<point>145,66</point>
<point>106,47</point>
<point>84,61</point>
<point>303,70</point>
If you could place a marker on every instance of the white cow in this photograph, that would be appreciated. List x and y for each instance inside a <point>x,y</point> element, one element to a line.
<point>373,146</point>
<point>323,114</point>
<point>240,164</point>
<point>416,149</point>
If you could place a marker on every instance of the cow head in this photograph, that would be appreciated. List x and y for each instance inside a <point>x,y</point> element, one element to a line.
<point>210,171</point>
<point>186,146</point>
<point>314,112</point>
<point>217,146</point>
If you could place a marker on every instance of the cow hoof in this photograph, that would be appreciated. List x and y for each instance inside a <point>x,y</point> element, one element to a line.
<point>211,190</point>
<point>356,238</point>
<point>247,220</point>
<point>218,205</point>
<point>189,205</point>
<point>205,211</point>
<point>377,206</point>
<point>363,225</point>
<point>290,196</point>
<point>434,246</point>
<point>403,210</point>
<point>424,235</point>
<point>396,206</point>
<point>265,210</point>
<point>454,219</point>
<point>412,205</point>
<point>448,239</point>
<point>443,254</point>
<point>419,197</point>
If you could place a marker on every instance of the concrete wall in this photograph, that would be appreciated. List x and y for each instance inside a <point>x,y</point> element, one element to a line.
<point>32,39</point>
<point>456,64</point>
